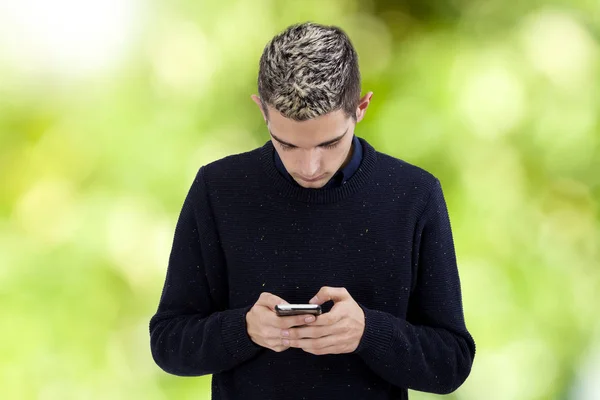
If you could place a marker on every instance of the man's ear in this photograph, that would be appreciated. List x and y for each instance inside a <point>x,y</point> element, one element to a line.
<point>362,106</point>
<point>256,99</point>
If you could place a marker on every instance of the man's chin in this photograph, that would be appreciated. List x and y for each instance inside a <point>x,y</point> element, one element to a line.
<point>311,185</point>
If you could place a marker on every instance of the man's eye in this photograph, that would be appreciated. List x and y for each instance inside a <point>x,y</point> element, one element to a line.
<point>288,147</point>
<point>331,146</point>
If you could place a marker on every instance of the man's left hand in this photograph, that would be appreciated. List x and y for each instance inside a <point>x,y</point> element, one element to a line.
<point>336,332</point>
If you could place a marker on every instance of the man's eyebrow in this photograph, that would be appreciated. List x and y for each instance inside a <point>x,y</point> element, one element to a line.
<point>326,143</point>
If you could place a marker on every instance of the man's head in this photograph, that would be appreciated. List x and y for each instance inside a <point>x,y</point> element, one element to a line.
<point>309,88</point>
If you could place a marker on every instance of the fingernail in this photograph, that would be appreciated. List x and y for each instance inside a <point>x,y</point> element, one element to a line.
<point>286,342</point>
<point>309,319</point>
<point>285,333</point>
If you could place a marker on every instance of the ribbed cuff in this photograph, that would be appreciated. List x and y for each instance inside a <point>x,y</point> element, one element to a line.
<point>235,334</point>
<point>377,337</point>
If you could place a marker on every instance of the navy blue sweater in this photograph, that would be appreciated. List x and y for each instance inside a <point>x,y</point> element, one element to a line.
<point>385,236</point>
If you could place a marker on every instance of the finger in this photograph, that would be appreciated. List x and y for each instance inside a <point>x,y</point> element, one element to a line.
<point>334,349</point>
<point>330,318</point>
<point>270,300</point>
<point>305,332</point>
<point>327,293</point>
<point>313,344</point>
<point>309,332</point>
<point>287,321</point>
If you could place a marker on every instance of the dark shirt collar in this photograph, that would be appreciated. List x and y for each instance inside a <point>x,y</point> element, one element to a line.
<point>340,177</point>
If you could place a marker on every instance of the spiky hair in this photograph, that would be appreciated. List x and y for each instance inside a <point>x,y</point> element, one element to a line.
<point>309,70</point>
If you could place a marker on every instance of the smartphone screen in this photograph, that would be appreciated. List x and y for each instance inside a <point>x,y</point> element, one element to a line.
<point>297,309</point>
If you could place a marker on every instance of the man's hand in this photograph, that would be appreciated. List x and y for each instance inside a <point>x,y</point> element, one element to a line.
<point>264,325</point>
<point>336,332</point>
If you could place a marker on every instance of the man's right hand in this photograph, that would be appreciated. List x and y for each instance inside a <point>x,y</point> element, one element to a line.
<point>264,325</point>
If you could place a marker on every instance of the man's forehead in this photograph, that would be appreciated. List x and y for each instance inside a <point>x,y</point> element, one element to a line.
<point>314,132</point>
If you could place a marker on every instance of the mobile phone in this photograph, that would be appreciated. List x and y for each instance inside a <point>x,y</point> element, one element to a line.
<point>297,309</point>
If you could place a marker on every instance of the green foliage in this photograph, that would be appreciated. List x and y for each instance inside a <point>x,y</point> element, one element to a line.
<point>500,102</point>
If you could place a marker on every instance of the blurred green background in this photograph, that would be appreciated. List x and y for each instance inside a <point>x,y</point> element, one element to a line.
<point>109,107</point>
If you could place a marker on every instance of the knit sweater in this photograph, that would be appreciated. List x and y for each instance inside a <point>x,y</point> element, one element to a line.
<point>385,236</point>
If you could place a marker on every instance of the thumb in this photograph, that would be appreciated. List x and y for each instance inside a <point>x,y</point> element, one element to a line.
<point>270,300</point>
<point>327,293</point>
<point>274,300</point>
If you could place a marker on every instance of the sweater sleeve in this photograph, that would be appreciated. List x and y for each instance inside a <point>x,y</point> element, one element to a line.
<point>193,332</point>
<point>431,350</point>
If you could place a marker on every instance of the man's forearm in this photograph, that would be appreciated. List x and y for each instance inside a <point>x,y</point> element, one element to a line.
<point>189,345</point>
<point>415,357</point>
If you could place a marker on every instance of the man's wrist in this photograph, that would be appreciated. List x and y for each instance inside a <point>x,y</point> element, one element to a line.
<point>377,334</point>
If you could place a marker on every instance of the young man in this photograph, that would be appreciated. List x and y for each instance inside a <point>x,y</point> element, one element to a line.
<point>315,215</point>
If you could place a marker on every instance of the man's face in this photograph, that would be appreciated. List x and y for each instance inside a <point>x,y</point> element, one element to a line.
<point>312,151</point>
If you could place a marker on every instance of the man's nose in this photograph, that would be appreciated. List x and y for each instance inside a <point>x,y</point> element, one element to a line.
<point>309,165</point>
